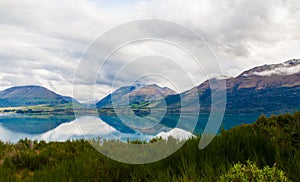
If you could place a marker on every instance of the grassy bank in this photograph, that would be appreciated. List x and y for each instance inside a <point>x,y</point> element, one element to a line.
<point>273,142</point>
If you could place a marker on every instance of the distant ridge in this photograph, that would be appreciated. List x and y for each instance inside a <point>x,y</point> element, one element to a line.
<point>271,89</point>
<point>136,95</point>
<point>31,95</point>
<point>265,89</point>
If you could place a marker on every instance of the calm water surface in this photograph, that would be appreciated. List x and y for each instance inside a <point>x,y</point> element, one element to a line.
<point>14,127</point>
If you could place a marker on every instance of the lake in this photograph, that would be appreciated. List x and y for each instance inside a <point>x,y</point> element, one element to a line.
<point>14,127</point>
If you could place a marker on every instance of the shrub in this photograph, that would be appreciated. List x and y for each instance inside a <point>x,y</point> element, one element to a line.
<point>250,172</point>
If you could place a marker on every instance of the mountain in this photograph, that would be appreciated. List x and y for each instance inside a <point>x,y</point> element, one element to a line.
<point>135,95</point>
<point>30,96</point>
<point>263,89</point>
<point>269,88</point>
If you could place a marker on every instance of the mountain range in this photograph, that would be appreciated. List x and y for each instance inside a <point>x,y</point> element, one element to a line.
<point>264,89</point>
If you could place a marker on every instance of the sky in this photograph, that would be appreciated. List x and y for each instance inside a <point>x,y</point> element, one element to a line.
<point>43,42</point>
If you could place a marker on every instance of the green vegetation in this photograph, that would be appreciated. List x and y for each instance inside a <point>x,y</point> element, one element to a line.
<point>250,172</point>
<point>48,109</point>
<point>268,150</point>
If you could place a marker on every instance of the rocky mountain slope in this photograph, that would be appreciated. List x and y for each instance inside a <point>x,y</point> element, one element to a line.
<point>135,95</point>
<point>263,89</point>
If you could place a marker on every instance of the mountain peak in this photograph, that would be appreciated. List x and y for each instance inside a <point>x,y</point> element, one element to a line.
<point>283,69</point>
<point>292,62</point>
<point>152,91</point>
<point>30,95</point>
<point>137,94</point>
<point>25,90</point>
<point>25,87</point>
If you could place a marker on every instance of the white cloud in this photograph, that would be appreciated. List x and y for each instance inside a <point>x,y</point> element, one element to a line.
<point>42,41</point>
<point>279,71</point>
<point>176,133</point>
<point>80,128</point>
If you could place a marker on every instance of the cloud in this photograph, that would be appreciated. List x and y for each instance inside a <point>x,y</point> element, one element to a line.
<point>80,128</point>
<point>279,71</point>
<point>13,136</point>
<point>242,33</point>
<point>42,41</point>
<point>176,133</point>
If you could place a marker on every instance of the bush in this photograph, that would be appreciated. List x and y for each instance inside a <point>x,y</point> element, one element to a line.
<point>250,172</point>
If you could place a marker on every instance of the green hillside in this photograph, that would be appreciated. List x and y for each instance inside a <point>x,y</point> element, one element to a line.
<point>31,96</point>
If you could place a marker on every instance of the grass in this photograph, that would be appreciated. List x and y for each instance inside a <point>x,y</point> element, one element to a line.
<point>270,143</point>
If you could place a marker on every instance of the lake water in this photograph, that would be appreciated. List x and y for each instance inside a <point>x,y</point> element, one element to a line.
<point>14,127</point>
